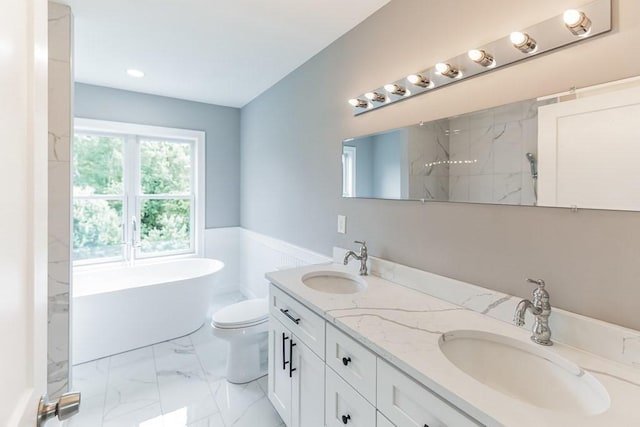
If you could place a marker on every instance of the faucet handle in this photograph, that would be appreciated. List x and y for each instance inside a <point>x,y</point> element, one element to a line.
<point>363,242</point>
<point>538,282</point>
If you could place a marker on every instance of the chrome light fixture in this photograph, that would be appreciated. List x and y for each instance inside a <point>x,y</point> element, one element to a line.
<point>375,97</point>
<point>418,80</point>
<point>447,70</point>
<point>573,26</point>
<point>577,22</point>
<point>395,89</point>
<point>358,103</point>
<point>481,57</point>
<point>522,41</point>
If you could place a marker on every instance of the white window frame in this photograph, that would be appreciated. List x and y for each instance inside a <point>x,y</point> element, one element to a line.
<point>132,174</point>
<point>348,171</point>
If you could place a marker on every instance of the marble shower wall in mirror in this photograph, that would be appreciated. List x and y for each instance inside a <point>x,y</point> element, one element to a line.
<point>488,156</point>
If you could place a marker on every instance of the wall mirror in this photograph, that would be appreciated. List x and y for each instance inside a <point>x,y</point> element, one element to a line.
<point>578,150</point>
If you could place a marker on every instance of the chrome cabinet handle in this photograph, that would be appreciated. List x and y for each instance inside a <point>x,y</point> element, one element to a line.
<point>346,360</point>
<point>291,368</point>
<point>284,355</point>
<point>66,407</point>
<point>346,418</point>
<point>293,319</point>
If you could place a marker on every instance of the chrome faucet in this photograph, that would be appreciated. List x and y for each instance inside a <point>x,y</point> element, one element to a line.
<point>541,309</point>
<point>362,257</point>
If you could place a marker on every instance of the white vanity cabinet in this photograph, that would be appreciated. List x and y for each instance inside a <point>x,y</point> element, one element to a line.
<point>296,372</point>
<point>349,385</point>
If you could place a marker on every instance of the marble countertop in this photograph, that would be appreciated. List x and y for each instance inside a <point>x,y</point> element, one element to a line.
<point>403,326</point>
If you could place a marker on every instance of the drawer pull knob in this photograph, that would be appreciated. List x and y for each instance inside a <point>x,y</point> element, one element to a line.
<point>345,419</point>
<point>346,360</point>
<point>293,319</point>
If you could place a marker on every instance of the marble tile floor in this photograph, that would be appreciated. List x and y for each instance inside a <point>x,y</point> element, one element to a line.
<point>178,383</point>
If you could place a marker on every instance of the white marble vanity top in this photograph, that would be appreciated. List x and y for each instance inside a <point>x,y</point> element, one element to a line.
<point>403,326</point>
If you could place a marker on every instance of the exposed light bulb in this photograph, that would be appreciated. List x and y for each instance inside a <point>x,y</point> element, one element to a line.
<point>522,41</point>
<point>375,96</point>
<point>135,73</point>
<point>576,21</point>
<point>418,80</point>
<point>481,57</point>
<point>395,89</point>
<point>359,103</point>
<point>446,70</point>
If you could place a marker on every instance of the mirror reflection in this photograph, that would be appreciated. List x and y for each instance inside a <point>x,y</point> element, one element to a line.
<point>574,150</point>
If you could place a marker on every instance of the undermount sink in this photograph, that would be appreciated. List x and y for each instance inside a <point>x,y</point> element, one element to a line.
<point>524,371</point>
<point>334,282</point>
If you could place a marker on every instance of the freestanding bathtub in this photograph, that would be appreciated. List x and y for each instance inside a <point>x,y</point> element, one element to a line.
<point>124,308</point>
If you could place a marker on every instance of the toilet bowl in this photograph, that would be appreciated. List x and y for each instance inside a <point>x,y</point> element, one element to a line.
<point>245,326</point>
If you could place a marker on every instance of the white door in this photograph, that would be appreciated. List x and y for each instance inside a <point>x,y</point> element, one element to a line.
<point>279,361</point>
<point>588,152</point>
<point>23,211</point>
<point>307,395</point>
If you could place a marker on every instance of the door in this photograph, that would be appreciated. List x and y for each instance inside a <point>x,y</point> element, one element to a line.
<point>23,211</point>
<point>589,153</point>
<point>307,406</point>
<point>280,346</point>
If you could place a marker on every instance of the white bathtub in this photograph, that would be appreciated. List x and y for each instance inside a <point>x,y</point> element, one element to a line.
<point>124,308</point>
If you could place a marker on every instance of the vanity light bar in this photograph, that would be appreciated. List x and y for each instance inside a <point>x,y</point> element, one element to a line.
<point>573,26</point>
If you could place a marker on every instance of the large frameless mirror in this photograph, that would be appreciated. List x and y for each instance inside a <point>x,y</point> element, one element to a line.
<point>579,150</point>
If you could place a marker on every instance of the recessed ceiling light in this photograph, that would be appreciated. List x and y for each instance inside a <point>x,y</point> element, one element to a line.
<point>135,73</point>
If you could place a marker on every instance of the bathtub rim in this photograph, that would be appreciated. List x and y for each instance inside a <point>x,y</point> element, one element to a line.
<point>169,280</point>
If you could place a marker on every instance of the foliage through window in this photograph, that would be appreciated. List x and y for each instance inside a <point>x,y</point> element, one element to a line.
<point>133,196</point>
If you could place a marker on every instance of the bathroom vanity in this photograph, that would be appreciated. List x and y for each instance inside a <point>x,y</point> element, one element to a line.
<point>365,351</point>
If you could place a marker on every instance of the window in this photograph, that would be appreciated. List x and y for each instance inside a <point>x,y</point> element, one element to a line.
<point>137,191</point>
<point>348,171</point>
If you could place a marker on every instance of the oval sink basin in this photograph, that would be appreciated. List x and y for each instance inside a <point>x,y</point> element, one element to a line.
<point>334,282</point>
<point>524,371</point>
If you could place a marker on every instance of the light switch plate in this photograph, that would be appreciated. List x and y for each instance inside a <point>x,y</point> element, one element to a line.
<point>342,224</point>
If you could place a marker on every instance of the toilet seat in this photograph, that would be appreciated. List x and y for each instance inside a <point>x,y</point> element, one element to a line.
<point>242,314</point>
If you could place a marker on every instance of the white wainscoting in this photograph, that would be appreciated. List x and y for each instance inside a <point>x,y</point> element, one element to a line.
<point>248,256</point>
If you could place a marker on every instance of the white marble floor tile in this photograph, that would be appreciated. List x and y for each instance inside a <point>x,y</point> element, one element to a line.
<point>264,384</point>
<point>149,416</point>
<point>235,400</point>
<point>213,358</point>
<point>212,421</point>
<point>179,383</point>
<point>187,393</point>
<point>91,378</point>
<point>260,413</point>
<point>91,412</point>
<point>132,383</point>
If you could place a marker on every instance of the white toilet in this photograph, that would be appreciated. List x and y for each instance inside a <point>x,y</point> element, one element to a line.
<point>245,326</point>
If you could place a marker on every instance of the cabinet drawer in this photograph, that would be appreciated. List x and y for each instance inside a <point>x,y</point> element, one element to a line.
<point>352,361</point>
<point>408,404</point>
<point>382,421</point>
<point>344,406</point>
<point>302,322</point>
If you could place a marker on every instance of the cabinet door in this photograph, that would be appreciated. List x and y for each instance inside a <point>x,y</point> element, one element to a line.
<point>382,421</point>
<point>279,381</point>
<point>345,406</point>
<point>408,404</point>
<point>307,407</point>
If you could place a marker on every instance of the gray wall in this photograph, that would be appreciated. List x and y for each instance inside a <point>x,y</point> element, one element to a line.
<point>291,144</point>
<point>221,124</point>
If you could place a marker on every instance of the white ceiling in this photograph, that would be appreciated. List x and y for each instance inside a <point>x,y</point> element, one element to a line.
<point>223,52</point>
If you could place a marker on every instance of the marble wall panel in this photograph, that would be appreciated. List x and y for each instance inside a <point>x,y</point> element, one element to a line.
<point>59,210</point>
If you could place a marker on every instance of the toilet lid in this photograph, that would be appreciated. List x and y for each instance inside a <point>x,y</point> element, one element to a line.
<point>243,313</point>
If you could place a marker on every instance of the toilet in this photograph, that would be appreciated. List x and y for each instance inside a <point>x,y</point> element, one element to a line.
<point>245,326</point>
